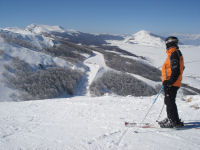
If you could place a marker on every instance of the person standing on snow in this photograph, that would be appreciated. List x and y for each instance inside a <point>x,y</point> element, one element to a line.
<point>172,71</point>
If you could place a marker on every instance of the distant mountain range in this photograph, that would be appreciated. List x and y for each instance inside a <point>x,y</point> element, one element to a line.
<point>141,37</point>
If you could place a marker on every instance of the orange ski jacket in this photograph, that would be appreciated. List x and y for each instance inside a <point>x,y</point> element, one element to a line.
<point>173,67</point>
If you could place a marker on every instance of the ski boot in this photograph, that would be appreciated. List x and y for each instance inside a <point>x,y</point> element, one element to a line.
<point>172,124</point>
<point>163,121</point>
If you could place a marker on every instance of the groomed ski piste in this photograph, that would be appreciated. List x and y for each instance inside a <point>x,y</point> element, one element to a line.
<point>97,123</point>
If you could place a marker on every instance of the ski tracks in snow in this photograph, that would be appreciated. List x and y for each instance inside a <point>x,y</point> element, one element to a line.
<point>108,140</point>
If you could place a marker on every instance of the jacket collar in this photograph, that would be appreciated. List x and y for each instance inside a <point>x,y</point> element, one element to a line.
<point>171,50</point>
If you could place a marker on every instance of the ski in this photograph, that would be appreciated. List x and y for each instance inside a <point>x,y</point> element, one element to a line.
<point>139,125</point>
<point>150,125</point>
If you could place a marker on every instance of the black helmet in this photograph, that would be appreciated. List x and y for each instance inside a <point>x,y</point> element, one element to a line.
<point>171,41</point>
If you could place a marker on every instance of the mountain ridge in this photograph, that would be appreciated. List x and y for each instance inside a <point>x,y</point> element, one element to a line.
<point>141,37</point>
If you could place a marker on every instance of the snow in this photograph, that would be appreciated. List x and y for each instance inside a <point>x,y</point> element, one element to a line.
<point>30,56</point>
<point>88,123</point>
<point>5,92</point>
<point>155,55</point>
<point>192,81</point>
<point>16,30</point>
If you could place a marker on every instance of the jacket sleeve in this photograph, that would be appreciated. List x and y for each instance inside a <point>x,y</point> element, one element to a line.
<point>175,67</point>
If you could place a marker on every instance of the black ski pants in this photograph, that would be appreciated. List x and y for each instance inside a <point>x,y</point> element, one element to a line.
<point>170,102</point>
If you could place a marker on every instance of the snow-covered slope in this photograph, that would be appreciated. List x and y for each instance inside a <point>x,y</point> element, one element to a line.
<point>33,57</point>
<point>144,38</point>
<point>88,123</point>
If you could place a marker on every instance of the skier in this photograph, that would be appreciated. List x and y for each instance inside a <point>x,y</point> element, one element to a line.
<point>172,71</point>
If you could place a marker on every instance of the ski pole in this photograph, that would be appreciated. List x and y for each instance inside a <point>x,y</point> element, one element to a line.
<point>160,112</point>
<point>152,104</point>
<point>150,107</point>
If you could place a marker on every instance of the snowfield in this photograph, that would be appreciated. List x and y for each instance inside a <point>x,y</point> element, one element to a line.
<point>94,123</point>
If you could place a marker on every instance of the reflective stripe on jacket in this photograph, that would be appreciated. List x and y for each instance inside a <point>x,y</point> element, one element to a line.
<point>173,67</point>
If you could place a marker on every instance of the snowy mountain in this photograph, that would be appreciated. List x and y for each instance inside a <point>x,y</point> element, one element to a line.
<point>144,38</point>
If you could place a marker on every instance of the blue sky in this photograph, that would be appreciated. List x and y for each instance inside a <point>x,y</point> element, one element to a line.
<point>105,16</point>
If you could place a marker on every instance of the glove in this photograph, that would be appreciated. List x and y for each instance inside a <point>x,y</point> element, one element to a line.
<point>167,83</point>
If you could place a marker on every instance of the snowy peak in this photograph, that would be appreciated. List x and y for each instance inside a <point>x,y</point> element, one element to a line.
<point>145,38</point>
<point>38,29</point>
<point>142,33</point>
